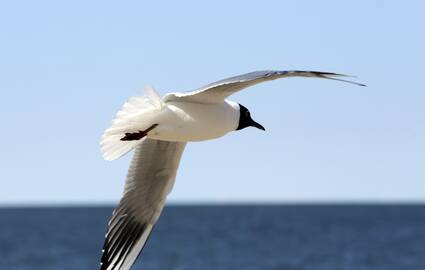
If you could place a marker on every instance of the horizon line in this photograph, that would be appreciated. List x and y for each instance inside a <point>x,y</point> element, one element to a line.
<point>89,204</point>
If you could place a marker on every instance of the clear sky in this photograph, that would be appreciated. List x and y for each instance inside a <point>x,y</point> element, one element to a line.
<point>67,67</point>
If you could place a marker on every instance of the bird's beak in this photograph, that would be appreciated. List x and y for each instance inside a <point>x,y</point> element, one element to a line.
<point>257,125</point>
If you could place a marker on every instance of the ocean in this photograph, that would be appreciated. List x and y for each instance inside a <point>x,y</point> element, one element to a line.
<point>227,237</point>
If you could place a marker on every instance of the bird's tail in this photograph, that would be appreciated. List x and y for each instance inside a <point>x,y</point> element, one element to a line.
<point>136,116</point>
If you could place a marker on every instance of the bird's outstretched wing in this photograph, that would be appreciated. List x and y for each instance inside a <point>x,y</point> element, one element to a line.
<point>218,91</point>
<point>150,178</point>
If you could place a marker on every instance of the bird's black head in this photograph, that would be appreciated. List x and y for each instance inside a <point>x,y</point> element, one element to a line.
<point>245,119</point>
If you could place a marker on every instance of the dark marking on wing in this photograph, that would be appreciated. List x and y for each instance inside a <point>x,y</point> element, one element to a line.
<point>120,240</point>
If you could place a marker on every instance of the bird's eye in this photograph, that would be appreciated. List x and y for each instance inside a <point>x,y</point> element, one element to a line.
<point>247,114</point>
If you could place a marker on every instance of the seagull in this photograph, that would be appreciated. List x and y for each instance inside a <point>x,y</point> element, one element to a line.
<point>158,130</point>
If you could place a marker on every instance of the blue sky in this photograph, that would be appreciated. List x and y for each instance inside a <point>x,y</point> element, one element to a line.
<point>66,68</point>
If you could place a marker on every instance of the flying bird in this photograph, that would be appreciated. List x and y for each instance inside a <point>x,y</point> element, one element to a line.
<point>158,129</point>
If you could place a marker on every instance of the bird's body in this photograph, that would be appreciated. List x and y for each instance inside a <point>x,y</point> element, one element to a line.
<point>188,121</point>
<point>158,129</point>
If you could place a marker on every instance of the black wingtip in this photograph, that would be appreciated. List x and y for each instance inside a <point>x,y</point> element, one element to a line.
<point>120,241</point>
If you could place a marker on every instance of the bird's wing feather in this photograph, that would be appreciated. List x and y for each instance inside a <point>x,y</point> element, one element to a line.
<point>150,178</point>
<point>218,91</point>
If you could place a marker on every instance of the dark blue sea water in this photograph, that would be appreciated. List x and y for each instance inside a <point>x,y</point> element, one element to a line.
<point>297,237</point>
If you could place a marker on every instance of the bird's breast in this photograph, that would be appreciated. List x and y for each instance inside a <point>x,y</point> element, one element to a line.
<point>184,121</point>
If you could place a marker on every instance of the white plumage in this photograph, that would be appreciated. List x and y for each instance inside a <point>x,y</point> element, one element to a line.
<point>138,113</point>
<point>158,129</point>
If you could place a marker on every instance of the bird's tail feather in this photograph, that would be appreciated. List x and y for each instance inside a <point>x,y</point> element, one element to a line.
<point>137,114</point>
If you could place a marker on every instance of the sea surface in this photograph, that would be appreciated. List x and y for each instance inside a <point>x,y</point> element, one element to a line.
<point>288,237</point>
